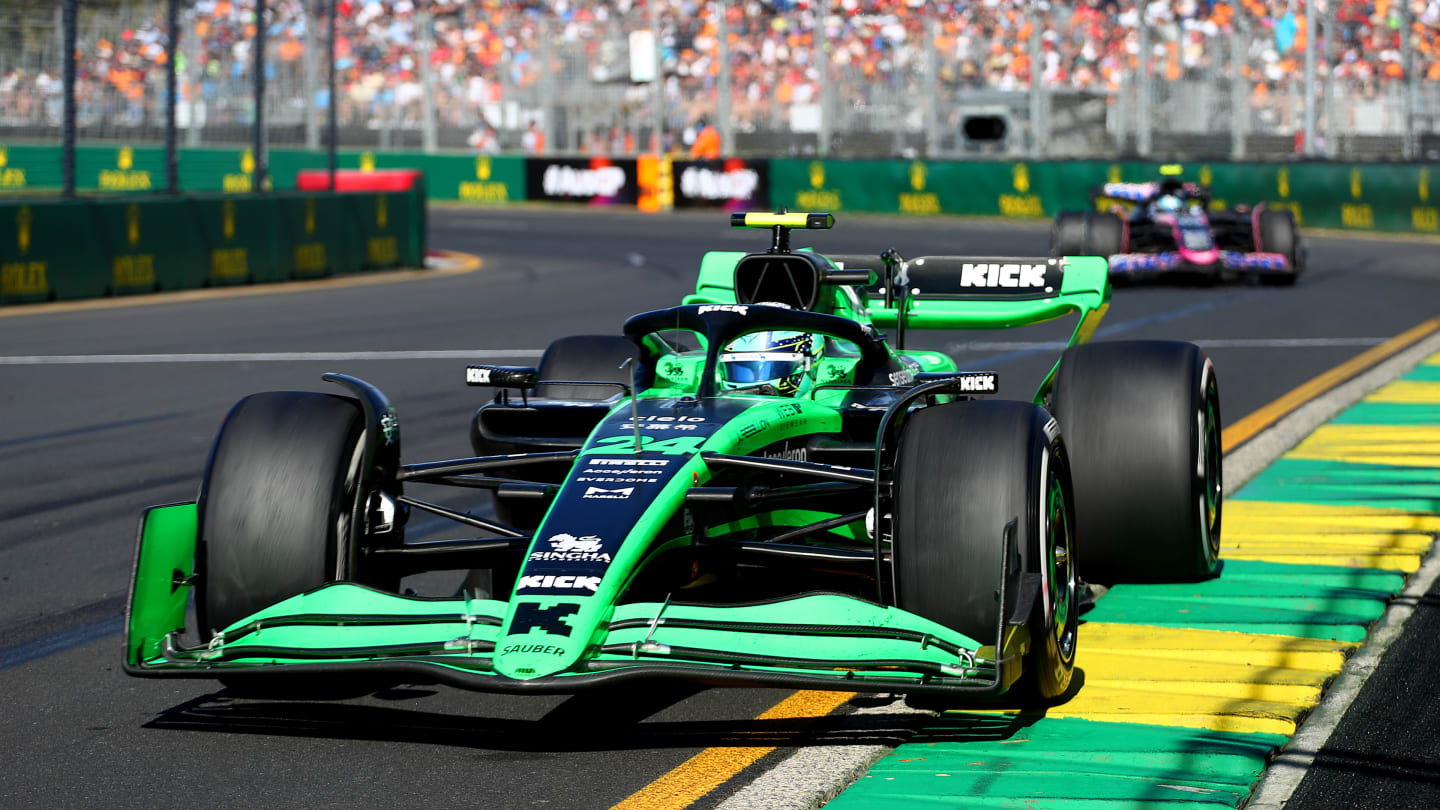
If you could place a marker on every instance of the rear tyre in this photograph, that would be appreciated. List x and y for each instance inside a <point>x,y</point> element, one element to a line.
<point>1278,234</point>
<point>275,511</point>
<point>589,358</point>
<point>1086,233</point>
<point>1067,236</point>
<point>964,471</point>
<point>1142,426</point>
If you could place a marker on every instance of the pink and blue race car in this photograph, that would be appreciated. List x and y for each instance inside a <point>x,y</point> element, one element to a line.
<point>1166,227</point>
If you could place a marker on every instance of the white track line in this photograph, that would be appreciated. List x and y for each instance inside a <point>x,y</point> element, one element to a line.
<point>261,357</point>
<point>1215,343</point>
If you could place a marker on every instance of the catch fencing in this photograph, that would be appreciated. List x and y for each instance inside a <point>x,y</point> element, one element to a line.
<point>886,79</point>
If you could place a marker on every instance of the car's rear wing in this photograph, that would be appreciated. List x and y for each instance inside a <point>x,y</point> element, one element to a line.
<point>992,292</point>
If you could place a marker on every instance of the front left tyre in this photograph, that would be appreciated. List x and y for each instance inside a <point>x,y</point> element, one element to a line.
<point>963,472</point>
<point>276,503</point>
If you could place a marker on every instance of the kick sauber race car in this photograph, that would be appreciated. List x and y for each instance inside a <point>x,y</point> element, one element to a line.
<point>1166,227</point>
<point>756,487</point>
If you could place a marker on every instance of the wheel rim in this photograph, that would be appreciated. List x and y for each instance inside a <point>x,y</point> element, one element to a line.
<point>1211,493</point>
<point>1063,582</point>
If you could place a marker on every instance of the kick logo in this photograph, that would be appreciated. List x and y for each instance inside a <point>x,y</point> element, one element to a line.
<point>736,308</point>
<point>979,383</point>
<point>1002,275</point>
<point>549,584</point>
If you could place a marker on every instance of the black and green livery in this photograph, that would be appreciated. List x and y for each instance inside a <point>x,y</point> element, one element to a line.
<point>896,529</point>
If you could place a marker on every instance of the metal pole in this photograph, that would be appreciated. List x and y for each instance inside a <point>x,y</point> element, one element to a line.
<point>427,80</point>
<point>1309,96</point>
<point>931,97</point>
<point>1037,146</point>
<point>1407,93</point>
<point>1239,93</point>
<point>259,45</point>
<point>1142,106</point>
<point>331,116</point>
<point>722,97</point>
<point>311,81</point>
<point>67,139</point>
<point>1332,137</point>
<point>192,82</point>
<point>822,69</point>
<point>172,163</point>
<point>658,80</point>
<point>549,120</point>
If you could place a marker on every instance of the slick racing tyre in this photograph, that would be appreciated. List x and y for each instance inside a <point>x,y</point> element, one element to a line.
<point>964,471</point>
<point>1086,233</point>
<point>276,502</point>
<point>587,358</point>
<point>1142,426</point>
<point>275,509</point>
<point>1278,234</point>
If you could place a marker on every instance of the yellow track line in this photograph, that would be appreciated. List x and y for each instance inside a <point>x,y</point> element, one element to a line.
<point>710,768</point>
<point>1242,431</point>
<point>464,263</point>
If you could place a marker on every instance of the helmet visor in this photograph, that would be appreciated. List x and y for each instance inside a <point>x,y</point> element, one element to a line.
<point>752,368</point>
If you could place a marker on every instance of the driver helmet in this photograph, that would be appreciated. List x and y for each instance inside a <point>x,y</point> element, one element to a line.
<point>1170,203</point>
<point>785,360</point>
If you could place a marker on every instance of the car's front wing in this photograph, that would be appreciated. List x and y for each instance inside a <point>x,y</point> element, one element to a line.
<point>816,641</point>
<point>1140,264</point>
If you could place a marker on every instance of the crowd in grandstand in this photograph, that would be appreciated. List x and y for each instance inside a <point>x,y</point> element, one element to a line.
<point>494,61</point>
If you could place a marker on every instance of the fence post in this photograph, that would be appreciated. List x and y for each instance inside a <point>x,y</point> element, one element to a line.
<point>311,81</point>
<point>331,116</point>
<point>547,87</point>
<point>658,80</point>
<point>1332,137</point>
<point>1142,104</point>
<point>67,138</point>
<point>192,67</point>
<point>1239,94</point>
<point>1037,139</point>
<point>1407,93</point>
<point>722,97</point>
<point>1309,94</point>
<point>822,69</point>
<point>426,45</point>
<point>932,87</point>
<point>258,178</point>
<point>172,164</point>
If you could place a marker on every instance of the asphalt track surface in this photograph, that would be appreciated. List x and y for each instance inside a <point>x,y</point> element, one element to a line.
<point>85,446</point>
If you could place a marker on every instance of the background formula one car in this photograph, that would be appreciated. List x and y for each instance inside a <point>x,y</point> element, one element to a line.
<point>1148,229</point>
<point>824,510</point>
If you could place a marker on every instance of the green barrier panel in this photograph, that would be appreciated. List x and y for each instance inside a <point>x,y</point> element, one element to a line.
<point>239,232</point>
<point>1362,197</point>
<point>46,252</point>
<point>125,168</point>
<point>309,238</point>
<point>92,247</point>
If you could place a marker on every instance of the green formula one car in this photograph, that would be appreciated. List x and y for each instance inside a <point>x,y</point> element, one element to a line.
<point>753,488</point>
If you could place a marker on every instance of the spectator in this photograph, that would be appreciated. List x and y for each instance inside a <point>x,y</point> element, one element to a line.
<point>707,142</point>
